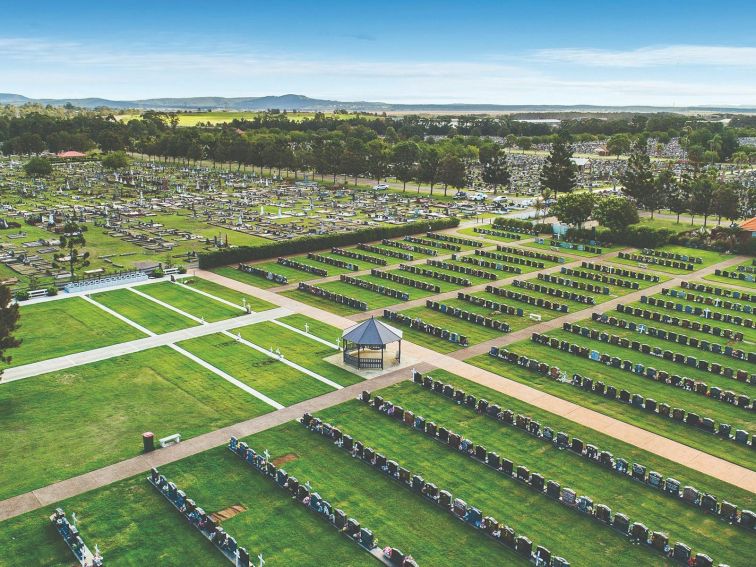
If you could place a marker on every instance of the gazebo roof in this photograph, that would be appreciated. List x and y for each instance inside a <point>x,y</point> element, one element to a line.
<point>372,332</point>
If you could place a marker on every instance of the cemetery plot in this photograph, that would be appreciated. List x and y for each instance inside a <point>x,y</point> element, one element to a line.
<point>742,275</point>
<point>264,373</point>
<point>103,409</point>
<point>501,266</point>
<point>490,233</point>
<point>472,274</point>
<point>346,301</point>
<point>190,302</point>
<point>144,312</point>
<point>124,518</point>
<point>669,259</point>
<point>574,248</point>
<point>620,405</point>
<point>618,280</point>
<point>562,530</point>
<point>456,327</point>
<point>305,351</point>
<point>518,315</point>
<point>222,292</point>
<point>519,434</point>
<point>85,327</point>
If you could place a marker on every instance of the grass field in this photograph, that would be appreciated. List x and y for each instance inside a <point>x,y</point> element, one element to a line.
<point>282,383</point>
<point>708,258</point>
<point>66,326</point>
<point>641,503</point>
<point>190,302</point>
<point>144,312</point>
<point>321,302</point>
<point>61,424</point>
<point>223,292</point>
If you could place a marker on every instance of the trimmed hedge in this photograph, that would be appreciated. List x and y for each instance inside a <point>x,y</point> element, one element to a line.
<point>319,242</point>
<point>636,235</point>
<point>539,227</point>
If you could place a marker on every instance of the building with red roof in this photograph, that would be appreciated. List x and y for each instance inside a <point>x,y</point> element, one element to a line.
<point>70,154</point>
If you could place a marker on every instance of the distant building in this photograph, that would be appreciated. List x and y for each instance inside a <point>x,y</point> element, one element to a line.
<point>70,154</point>
<point>749,226</point>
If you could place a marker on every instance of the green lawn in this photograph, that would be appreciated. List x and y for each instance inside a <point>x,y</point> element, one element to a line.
<point>190,302</point>
<point>299,349</point>
<point>317,328</point>
<point>144,312</point>
<point>223,292</point>
<point>662,393</point>
<point>282,383</point>
<point>641,503</point>
<point>65,326</point>
<point>322,302</point>
<point>58,425</point>
<point>243,277</point>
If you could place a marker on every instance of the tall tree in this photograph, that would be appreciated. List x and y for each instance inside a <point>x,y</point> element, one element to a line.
<point>9,316</point>
<point>495,169</point>
<point>403,158</point>
<point>574,209</point>
<point>559,172</point>
<point>638,179</point>
<point>664,185</point>
<point>616,213</point>
<point>726,202</point>
<point>70,240</point>
<point>702,194</point>
<point>430,158</point>
<point>452,171</point>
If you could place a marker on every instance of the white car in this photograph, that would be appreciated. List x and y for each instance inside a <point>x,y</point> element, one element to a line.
<point>380,187</point>
<point>477,197</point>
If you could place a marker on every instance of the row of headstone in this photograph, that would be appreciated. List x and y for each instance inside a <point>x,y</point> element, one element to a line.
<point>510,259</point>
<point>593,454</point>
<point>529,299</point>
<point>444,277</point>
<point>603,278</point>
<point>548,488</point>
<point>332,261</point>
<point>555,291</point>
<point>289,263</point>
<point>420,325</point>
<point>201,520</point>
<point>704,312</point>
<point>70,534</point>
<point>490,304</point>
<point>617,271</point>
<point>725,292</point>
<point>678,322</point>
<point>487,264</point>
<point>583,286</point>
<point>384,252</point>
<point>678,338</point>
<point>433,243</point>
<point>410,247</point>
<point>736,275</point>
<point>456,506</point>
<point>499,233</point>
<point>668,355</point>
<point>707,300</point>
<point>455,239</point>
<point>573,246</point>
<point>531,254</point>
<point>404,280</point>
<point>462,269</point>
<point>357,256</point>
<point>331,296</point>
<point>468,316</point>
<point>747,269</point>
<point>514,227</point>
<point>305,495</point>
<point>740,400</point>
<point>657,261</point>
<point>263,273</point>
<point>671,255</point>
<point>370,286</point>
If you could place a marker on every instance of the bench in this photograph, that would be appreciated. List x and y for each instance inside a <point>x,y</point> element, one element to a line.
<point>170,440</point>
<point>37,293</point>
<point>535,317</point>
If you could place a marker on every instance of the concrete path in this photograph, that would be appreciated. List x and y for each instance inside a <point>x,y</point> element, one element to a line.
<point>53,493</point>
<point>210,296</point>
<point>168,306</point>
<point>120,349</point>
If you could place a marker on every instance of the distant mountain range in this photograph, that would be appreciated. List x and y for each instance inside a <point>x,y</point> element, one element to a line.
<point>303,103</point>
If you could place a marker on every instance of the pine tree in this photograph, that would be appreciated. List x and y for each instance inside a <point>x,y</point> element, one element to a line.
<point>559,173</point>
<point>638,180</point>
<point>496,170</point>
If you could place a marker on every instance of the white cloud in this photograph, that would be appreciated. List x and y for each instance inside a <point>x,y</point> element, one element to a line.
<point>672,55</point>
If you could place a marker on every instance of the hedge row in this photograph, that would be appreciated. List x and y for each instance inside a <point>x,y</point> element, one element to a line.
<point>319,242</point>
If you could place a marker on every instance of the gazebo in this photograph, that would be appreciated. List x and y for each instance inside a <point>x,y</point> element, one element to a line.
<point>363,342</point>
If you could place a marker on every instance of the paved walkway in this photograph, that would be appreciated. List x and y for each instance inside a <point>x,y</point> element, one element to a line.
<point>142,463</point>
<point>120,349</point>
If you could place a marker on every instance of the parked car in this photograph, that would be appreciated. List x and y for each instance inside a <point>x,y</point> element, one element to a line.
<point>478,197</point>
<point>380,187</point>
<point>460,195</point>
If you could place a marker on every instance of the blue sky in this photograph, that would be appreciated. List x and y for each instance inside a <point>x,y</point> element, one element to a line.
<point>547,52</point>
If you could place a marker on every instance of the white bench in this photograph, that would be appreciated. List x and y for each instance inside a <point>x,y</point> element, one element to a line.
<point>170,440</point>
<point>37,293</point>
<point>535,317</point>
